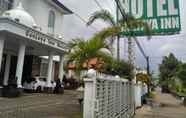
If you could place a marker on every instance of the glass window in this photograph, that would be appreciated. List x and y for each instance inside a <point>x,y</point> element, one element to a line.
<point>51,22</point>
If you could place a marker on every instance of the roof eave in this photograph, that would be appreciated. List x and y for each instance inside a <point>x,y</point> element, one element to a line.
<point>65,9</point>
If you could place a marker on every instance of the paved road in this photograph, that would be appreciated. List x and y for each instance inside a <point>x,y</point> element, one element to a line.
<point>41,106</point>
<point>165,106</point>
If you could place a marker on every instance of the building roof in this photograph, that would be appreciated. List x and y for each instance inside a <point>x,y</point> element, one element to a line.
<point>92,62</point>
<point>67,10</point>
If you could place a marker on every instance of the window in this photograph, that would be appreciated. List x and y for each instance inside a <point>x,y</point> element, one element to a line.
<point>43,69</point>
<point>51,22</point>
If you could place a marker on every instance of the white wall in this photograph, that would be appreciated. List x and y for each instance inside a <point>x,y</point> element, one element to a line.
<point>39,9</point>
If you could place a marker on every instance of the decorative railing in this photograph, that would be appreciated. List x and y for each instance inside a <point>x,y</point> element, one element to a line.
<point>108,97</point>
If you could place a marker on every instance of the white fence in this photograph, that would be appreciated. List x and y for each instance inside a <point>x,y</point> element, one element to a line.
<point>140,91</point>
<point>108,97</point>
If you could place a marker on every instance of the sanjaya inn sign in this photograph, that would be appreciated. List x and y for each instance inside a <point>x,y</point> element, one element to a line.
<point>163,16</point>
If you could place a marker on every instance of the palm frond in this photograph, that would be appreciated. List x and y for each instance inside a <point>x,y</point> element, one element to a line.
<point>102,15</point>
<point>85,50</point>
<point>74,42</point>
<point>107,32</point>
<point>130,24</point>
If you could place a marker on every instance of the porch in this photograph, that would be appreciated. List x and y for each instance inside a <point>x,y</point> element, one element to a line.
<point>18,44</point>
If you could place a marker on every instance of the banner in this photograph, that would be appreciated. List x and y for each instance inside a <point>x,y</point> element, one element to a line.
<point>163,16</point>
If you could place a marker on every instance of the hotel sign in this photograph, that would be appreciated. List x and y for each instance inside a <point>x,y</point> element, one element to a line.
<point>163,16</point>
<point>44,39</point>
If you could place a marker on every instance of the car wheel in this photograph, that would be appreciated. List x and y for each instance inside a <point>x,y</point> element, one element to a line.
<point>39,90</point>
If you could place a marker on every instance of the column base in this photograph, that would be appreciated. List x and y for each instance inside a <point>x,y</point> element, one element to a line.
<point>20,91</point>
<point>48,90</point>
<point>12,92</point>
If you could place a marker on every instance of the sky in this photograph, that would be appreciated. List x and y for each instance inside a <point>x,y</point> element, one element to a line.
<point>156,48</point>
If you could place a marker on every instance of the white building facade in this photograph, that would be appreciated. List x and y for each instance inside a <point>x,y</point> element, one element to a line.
<point>30,29</point>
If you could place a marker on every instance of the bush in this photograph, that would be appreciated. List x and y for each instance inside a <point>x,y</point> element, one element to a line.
<point>114,67</point>
<point>151,94</point>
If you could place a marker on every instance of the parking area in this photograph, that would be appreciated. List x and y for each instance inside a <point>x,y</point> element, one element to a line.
<point>42,106</point>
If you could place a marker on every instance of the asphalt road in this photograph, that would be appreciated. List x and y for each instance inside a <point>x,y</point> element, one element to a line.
<point>41,106</point>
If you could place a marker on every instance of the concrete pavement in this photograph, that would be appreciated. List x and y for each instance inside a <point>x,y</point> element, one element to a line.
<point>41,106</point>
<point>165,106</point>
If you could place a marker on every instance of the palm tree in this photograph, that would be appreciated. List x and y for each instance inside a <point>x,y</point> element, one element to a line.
<point>81,51</point>
<point>127,24</point>
<point>107,17</point>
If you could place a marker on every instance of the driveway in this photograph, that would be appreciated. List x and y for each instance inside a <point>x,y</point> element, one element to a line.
<point>41,106</point>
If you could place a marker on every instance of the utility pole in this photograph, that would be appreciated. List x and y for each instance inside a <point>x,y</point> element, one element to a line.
<point>131,55</point>
<point>148,65</point>
<point>118,37</point>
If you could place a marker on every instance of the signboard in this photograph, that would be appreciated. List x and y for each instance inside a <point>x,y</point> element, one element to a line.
<point>163,16</point>
<point>43,39</point>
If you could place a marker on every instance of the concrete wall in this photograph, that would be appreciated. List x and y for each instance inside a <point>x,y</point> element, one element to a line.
<point>39,9</point>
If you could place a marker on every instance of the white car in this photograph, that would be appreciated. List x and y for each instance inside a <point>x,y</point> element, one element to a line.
<point>37,85</point>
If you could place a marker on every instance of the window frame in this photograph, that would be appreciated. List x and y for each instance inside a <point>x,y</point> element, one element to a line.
<point>51,22</point>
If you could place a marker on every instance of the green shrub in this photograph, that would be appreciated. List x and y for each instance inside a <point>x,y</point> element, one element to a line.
<point>151,94</point>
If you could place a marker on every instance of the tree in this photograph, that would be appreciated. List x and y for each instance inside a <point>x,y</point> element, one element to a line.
<point>127,24</point>
<point>181,74</point>
<point>168,69</point>
<point>81,51</point>
<point>143,78</point>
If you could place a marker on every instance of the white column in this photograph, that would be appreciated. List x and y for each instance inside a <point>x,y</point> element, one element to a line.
<point>138,91</point>
<point>61,71</point>
<point>1,49</point>
<point>7,69</point>
<point>20,63</point>
<point>50,68</point>
<point>53,70</point>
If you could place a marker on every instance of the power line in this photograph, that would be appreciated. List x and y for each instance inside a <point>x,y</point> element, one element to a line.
<point>98,4</point>
<point>83,20</point>
<point>118,5</point>
<point>143,44</point>
<point>140,48</point>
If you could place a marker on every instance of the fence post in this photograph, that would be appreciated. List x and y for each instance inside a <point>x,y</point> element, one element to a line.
<point>89,94</point>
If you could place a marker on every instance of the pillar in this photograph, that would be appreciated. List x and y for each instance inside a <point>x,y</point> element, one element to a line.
<point>53,71</point>
<point>50,68</point>
<point>61,71</point>
<point>89,95</point>
<point>7,69</point>
<point>1,50</point>
<point>20,63</point>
